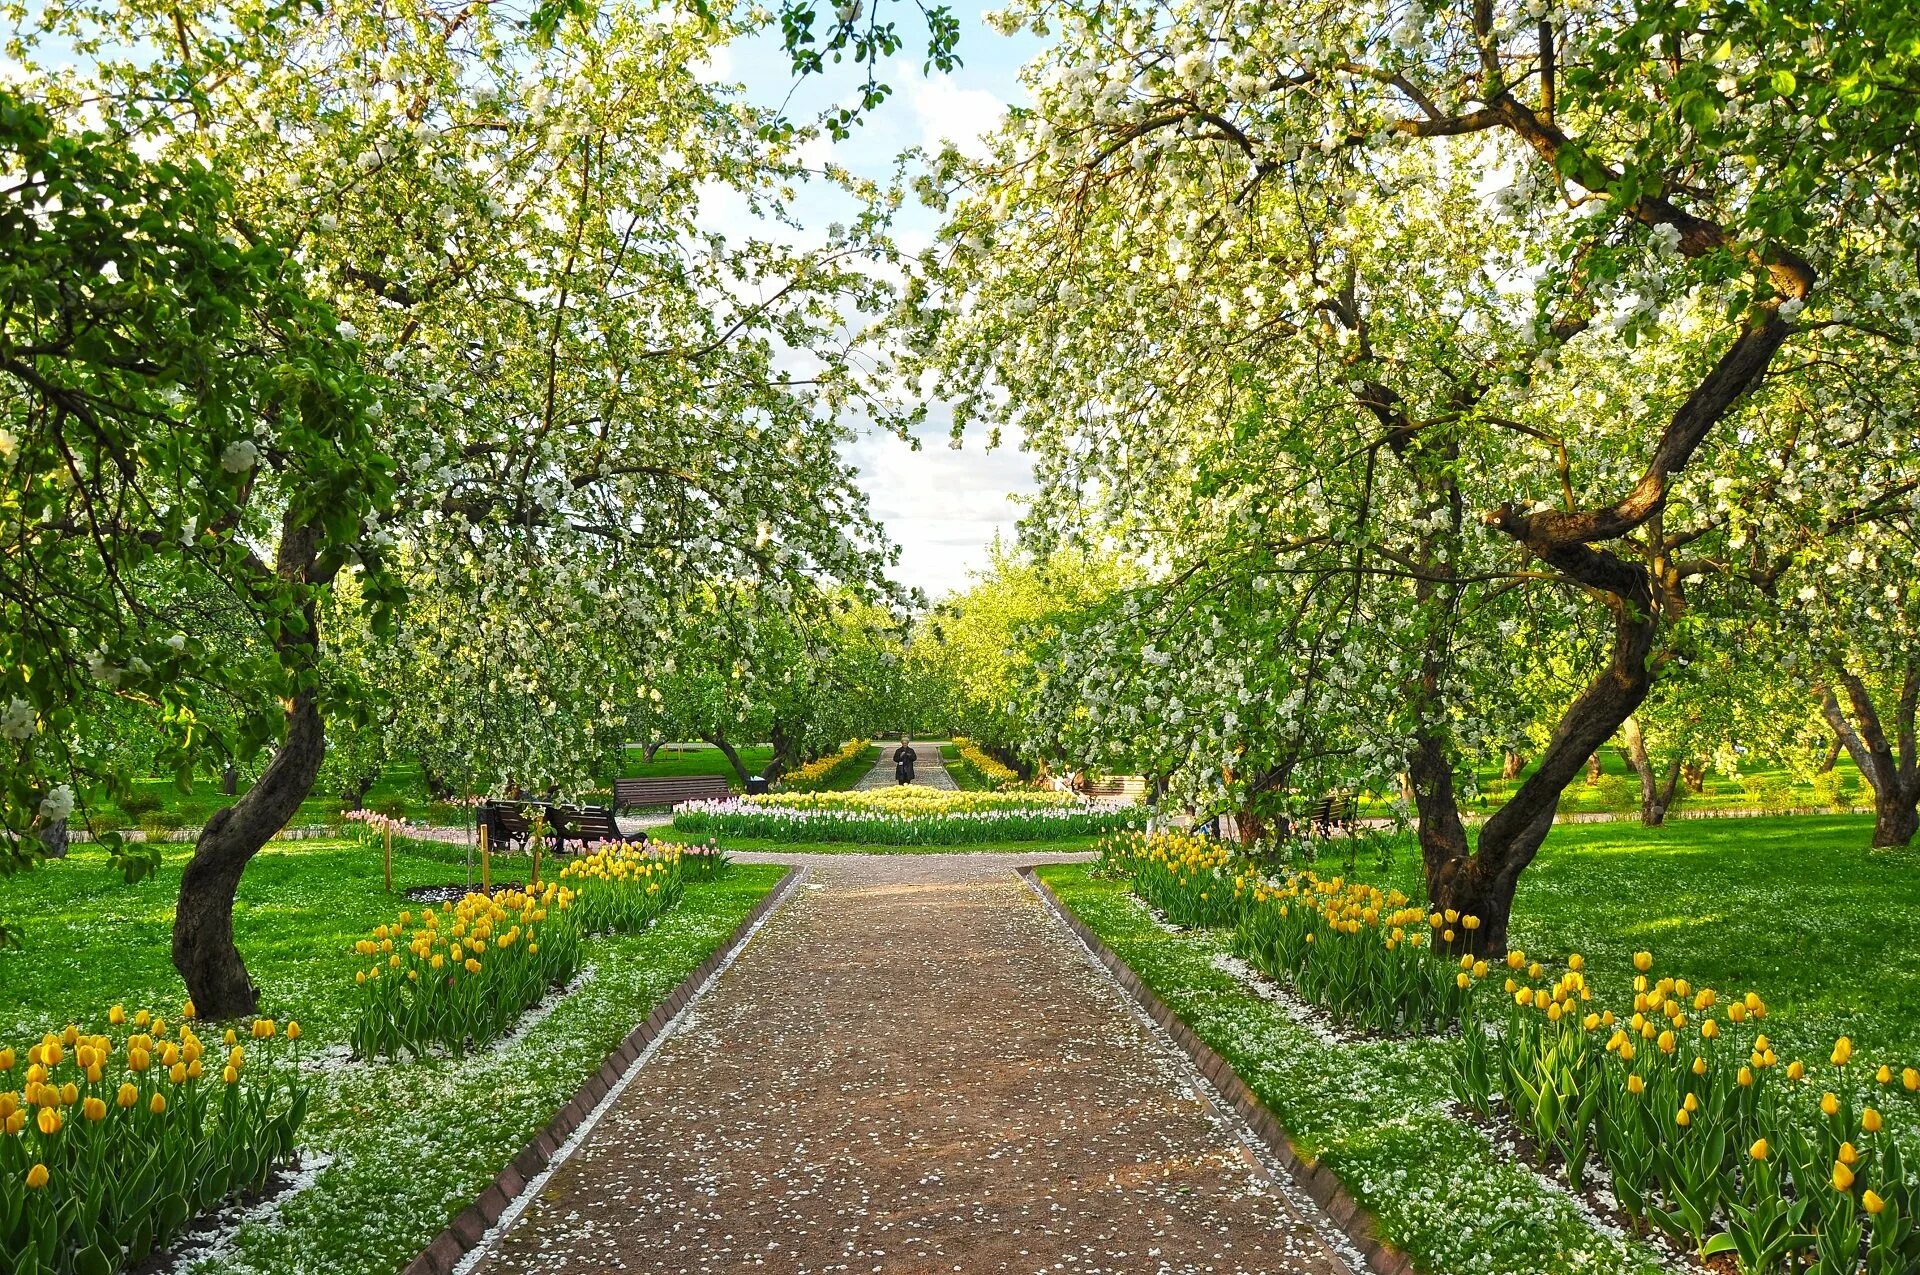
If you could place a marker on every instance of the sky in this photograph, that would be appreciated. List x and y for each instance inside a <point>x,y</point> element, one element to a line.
<point>940,505</point>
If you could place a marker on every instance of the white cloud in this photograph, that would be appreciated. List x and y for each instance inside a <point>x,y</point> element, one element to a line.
<point>942,506</point>
<point>947,112</point>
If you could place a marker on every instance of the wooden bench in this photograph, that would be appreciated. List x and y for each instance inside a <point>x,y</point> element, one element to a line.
<point>1333,812</point>
<point>1115,787</point>
<point>509,824</point>
<point>586,826</point>
<point>668,790</point>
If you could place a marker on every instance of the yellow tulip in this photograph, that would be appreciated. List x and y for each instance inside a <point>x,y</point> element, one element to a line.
<point>1910,1078</point>
<point>1643,961</point>
<point>1691,1103</point>
<point>1848,1155</point>
<point>1842,1177</point>
<point>94,1110</point>
<point>1870,1120</point>
<point>1683,1118</point>
<point>1796,1069</point>
<point>49,1121</point>
<point>1576,962</point>
<point>117,1015</point>
<point>1884,1075</point>
<point>127,1095</point>
<point>37,1177</point>
<point>1759,1149</point>
<point>1710,1029</point>
<point>1829,1104</point>
<point>1871,1201</point>
<point>1745,1077</point>
<point>1842,1051</point>
<point>158,1103</point>
<point>1635,1085</point>
<point>293,1029</point>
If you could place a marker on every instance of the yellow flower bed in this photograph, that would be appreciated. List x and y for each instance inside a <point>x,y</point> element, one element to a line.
<point>1704,1130</point>
<point>822,770</point>
<point>459,976</point>
<point>916,799</point>
<point>113,1141</point>
<point>1186,876</point>
<point>1359,951</point>
<point>621,889</point>
<point>990,768</point>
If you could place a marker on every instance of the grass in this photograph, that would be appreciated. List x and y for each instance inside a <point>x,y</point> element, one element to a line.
<point>679,761</point>
<point>410,1144</point>
<point>1795,909</point>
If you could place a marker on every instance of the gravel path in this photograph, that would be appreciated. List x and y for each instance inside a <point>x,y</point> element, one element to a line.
<point>929,770</point>
<point>914,1067</point>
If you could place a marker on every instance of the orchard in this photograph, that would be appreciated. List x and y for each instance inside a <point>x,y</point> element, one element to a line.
<point>471,585</point>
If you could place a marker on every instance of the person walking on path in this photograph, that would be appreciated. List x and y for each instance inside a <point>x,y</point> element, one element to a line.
<point>903,759</point>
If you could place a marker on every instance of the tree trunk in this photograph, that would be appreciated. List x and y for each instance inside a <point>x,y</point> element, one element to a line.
<point>1889,763</point>
<point>355,795</point>
<point>1656,796</point>
<point>1833,756</point>
<point>1511,767</point>
<point>652,749</point>
<point>719,740</point>
<point>1481,884</point>
<point>786,752</point>
<point>1695,775</point>
<point>230,780</point>
<point>203,948</point>
<point>1593,768</point>
<point>437,787</point>
<point>53,840</point>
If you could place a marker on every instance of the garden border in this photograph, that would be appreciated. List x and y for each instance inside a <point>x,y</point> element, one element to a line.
<point>1316,1179</point>
<point>463,1235</point>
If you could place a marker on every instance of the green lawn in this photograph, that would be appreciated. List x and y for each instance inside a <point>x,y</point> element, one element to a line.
<point>680,760</point>
<point>1795,909</point>
<point>411,1144</point>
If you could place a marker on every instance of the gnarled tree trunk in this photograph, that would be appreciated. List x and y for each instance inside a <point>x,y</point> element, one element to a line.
<point>719,740</point>
<point>1512,765</point>
<point>203,947</point>
<point>1888,761</point>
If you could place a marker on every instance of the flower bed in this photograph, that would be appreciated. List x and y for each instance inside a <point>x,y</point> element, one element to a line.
<point>989,767</point>
<point>1188,877</point>
<point>906,814</point>
<point>116,1140</point>
<point>1705,1133</point>
<point>835,770</point>
<point>463,974</point>
<point>622,889</point>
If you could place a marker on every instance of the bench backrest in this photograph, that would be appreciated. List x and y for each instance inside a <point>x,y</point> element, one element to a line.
<point>668,790</point>
<point>511,819</point>
<point>585,824</point>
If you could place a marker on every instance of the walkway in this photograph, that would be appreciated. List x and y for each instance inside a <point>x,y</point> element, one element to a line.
<point>914,1067</point>
<point>929,769</point>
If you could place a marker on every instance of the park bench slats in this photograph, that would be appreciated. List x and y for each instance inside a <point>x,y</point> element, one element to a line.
<point>668,790</point>
<point>586,826</point>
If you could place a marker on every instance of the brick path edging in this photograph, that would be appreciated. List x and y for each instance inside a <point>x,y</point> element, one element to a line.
<point>464,1233</point>
<point>1317,1180</point>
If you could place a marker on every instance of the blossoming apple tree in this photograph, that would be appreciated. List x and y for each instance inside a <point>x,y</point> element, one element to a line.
<point>571,400</point>
<point>1458,318</point>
